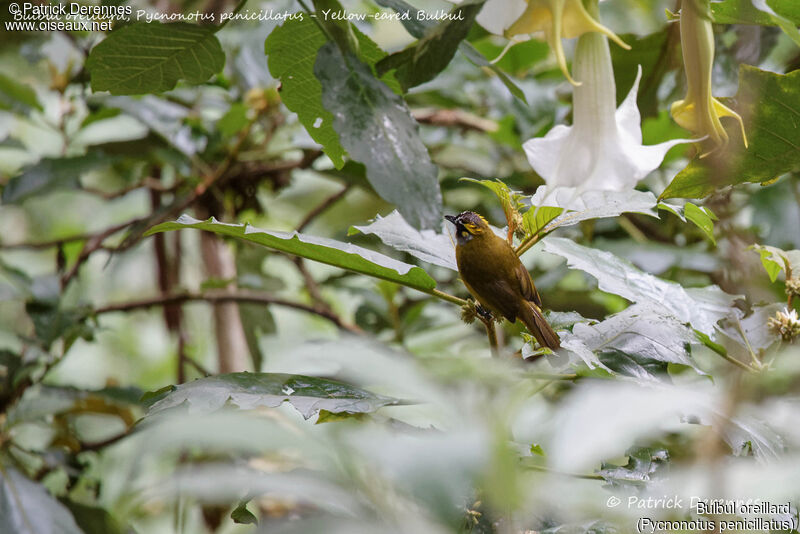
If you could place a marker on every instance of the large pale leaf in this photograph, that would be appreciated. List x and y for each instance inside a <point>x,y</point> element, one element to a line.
<point>434,51</point>
<point>769,103</point>
<point>426,245</point>
<point>643,464</point>
<point>336,253</point>
<point>641,330</point>
<point>152,57</point>
<point>700,307</point>
<point>583,205</point>
<point>27,508</point>
<point>376,128</point>
<point>250,390</point>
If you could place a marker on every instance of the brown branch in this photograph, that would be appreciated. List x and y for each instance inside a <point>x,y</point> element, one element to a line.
<point>148,183</point>
<point>226,296</point>
<point>324,205</point>
<point>454,118</point>
<point>92,245</point>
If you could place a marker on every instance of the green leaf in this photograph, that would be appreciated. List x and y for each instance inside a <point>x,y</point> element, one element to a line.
<point>398,164</point>
<point>243,516</point>
<point>776,260</point>
<point>249,390</point>
<point>93,519</point>
<point>152,57</point>
<point>782,13</point>
<point>417,26</point>
<point>17,96</point>
<point>769,103</point>
<point>656,54</point>
<point>50,175</point>
<point>643,465</point>
<point>426,245</point>
<point>700,307</point>
<point>234,120</point>
<point>536,219</point>
<point>702,217</point>
<point>336,253</point>
<point>705,340</point>
<point>27,507</point>
<point>434,51</point>
<point>291,50</point>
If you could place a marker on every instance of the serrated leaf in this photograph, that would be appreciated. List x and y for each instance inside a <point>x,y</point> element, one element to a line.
<point>700,307</point>
<point>643,464</point>
<point>434,51</point>
<point>27,507</point>
<point>769,103</point>
<point>336,253</point>
<point>50,175</point>
<point>643,330</point>
<point>152,57</point>
<point>399,167</point>
<point>584,205</point>
<point>426,245</point>
<point>249,390</point>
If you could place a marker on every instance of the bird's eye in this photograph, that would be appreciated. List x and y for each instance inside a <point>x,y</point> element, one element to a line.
<point>464,233</point>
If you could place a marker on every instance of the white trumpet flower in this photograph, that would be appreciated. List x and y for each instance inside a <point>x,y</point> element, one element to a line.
<point>603,149</point>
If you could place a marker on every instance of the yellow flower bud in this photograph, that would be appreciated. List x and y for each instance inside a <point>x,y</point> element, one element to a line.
<point>699,112</point>
<point>559,19</point>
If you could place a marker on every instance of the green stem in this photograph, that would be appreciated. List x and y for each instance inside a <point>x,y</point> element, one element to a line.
<point>491,333</point>
<point>445,296</point>
<point>552,376</point>
<point>536,467</point>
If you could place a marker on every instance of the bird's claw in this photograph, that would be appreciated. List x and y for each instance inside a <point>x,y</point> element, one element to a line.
<point>484,313</point>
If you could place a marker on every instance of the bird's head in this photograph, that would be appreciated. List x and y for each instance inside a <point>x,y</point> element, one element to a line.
<point>468,225</point>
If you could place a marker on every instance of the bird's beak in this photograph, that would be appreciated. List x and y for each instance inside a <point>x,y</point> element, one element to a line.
<point>451,218</point>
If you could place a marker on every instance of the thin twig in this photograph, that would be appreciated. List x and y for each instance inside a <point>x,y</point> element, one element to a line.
<point>226,296</point>
<point>70,239</point>
<point>454,118</point>
<point>324,205</point>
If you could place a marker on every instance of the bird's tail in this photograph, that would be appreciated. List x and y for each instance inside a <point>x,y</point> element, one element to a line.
<point>531,316</point>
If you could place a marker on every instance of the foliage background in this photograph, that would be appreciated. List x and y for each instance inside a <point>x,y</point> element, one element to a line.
<point>674,386</point>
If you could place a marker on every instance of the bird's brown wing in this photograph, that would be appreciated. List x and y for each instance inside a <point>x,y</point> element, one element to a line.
<point>526,286</point>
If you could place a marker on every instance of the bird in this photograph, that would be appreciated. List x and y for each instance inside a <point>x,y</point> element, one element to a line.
<point>496,278</point>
